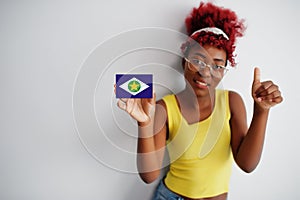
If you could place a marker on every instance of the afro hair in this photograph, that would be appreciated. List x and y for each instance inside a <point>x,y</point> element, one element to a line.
<point>210,15</point>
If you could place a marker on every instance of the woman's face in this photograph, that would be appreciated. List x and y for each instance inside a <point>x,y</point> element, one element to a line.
<point>204,80</point>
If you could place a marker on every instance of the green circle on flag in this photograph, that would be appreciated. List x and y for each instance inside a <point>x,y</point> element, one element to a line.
<point>134,86</point>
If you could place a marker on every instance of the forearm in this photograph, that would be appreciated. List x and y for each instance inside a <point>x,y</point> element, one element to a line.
<point>149,158</point>
<point>250,150</point>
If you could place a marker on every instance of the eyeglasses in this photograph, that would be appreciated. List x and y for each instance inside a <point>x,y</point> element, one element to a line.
<point>196,65</point>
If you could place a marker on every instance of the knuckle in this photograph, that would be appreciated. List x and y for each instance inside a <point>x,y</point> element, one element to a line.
<point>281,99</point>
<point>279,93</point>
<point>267,82</point>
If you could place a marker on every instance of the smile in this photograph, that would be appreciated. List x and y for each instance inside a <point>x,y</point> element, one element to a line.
<point>201,83</point>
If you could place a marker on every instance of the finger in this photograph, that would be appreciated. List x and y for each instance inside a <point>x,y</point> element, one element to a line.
<point>264,86</point>
<point>269,104</point>
<point>124,100</point>
<point>256,78</point>
<point>122,105</point>
<point>266,90</point>
<point>272,102</point>
<point>153,99</point>
<point>277,100</point>
<point>130,105</point>
<point>271,96</point>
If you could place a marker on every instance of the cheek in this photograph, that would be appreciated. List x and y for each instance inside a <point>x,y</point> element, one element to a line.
<point>187,74</point>
<point>216,81</point>
<point>188,77</point>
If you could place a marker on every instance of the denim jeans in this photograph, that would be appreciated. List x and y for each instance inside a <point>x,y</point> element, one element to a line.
<point>163,193</point>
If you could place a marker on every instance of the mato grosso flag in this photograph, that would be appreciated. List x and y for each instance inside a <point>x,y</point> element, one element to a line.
<point>134,85</point>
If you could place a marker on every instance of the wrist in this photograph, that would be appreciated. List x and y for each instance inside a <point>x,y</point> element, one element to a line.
<point>145,123</point>
<point>258,109</point>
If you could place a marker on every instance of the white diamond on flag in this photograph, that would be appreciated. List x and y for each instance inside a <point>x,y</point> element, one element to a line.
<point>134,86</point>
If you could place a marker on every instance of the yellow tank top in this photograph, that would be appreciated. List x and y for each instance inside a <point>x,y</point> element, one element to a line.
<point>200,153</point>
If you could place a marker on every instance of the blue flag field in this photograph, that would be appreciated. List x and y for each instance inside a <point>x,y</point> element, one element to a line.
<point>134,85</point>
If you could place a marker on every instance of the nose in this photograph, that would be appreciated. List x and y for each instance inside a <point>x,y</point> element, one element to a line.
<point>205,72</point>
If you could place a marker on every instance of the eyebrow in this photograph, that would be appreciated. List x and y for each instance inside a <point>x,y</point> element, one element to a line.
<point>219,60</point>
<point>199,54</point>
<point>215,59</point>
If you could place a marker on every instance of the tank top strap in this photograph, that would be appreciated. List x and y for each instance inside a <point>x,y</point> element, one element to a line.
<point>174,114</point>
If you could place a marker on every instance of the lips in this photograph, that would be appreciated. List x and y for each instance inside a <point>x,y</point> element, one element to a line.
<point>201,83</point>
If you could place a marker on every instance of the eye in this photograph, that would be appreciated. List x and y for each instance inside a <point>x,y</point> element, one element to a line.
<point>198,62</point>
<point>217,67</point>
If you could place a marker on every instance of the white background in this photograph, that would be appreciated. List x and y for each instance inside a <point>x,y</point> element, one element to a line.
<point>42,47</point>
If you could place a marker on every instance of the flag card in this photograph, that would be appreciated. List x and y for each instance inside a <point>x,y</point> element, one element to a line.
<point>134,85</point>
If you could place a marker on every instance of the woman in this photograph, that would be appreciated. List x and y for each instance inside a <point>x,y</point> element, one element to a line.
<point>203,128</point>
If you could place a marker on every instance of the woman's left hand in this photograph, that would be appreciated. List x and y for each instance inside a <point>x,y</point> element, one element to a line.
<point>265,94</point>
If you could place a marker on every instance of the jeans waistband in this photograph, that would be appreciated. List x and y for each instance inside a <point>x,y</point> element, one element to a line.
<point>163,193</point>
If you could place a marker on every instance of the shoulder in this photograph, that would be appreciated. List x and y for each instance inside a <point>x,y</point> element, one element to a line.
<point>161,106</point>
<point>162,103</point>
<point>161,118</point>
<point>166,100</point>
<point>236,102</point>
<point>234,96</point>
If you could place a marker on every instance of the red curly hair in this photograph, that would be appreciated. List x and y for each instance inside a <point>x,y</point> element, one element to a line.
<point>210,15</point>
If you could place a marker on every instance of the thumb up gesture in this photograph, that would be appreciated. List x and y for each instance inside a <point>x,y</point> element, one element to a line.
<point>266,94</point>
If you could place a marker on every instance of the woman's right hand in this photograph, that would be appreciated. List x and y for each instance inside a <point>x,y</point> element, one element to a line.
<point>142,110</point>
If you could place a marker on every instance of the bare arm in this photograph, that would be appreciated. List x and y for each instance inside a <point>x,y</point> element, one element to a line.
<point>247,144</point>
<point>152,129</point>
<point>151,145</point>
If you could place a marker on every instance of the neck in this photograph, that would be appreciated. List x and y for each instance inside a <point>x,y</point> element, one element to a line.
<point>192,100</point>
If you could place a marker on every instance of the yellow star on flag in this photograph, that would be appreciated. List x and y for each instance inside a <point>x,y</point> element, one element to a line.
<point>134,86</point>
